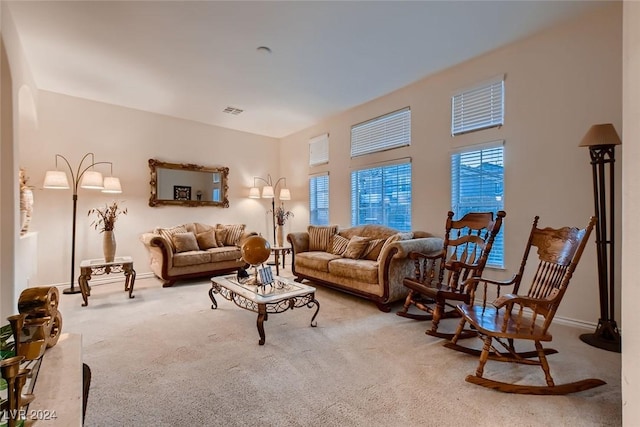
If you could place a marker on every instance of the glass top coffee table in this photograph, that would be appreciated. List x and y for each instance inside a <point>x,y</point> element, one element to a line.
<point>278,297</point>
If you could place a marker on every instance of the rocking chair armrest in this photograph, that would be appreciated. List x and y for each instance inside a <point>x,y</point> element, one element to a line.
<point>509,282</point>
<point>511,299</point>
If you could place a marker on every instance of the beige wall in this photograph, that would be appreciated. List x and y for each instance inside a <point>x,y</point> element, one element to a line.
<point>630,214</point>
<point>129,138</point>
<point>557,85</point>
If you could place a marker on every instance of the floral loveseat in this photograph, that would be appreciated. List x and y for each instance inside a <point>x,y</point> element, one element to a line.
<point>194,250</point>
<point>369,261</point>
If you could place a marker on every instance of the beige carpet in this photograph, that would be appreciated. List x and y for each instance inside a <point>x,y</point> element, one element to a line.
<point>165,358</point>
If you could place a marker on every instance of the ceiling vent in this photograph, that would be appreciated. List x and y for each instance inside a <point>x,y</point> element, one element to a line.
<point>232,110</point>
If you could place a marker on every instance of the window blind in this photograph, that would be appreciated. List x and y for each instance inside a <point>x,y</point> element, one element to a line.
<point>319,150</point>
<point>477,185</point>
<point>392,130</point>
<point>382,195</point>
<point>478,108</point>
<point>319,199</point>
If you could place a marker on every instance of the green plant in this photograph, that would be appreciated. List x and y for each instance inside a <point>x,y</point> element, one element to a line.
<point>7,346</point>
<point>282,215</point>
<point>107,216</point>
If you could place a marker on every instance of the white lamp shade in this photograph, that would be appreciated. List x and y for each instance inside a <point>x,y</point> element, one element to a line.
<point>92,180</point>
<point>254,193</point>
<point>112,185</point>
<point>56,180</point>
<point>285,194</point>
<point>267,192</point>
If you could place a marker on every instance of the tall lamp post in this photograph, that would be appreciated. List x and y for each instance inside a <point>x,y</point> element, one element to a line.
<point>85,178</point>
<point>602,140</point>
<point>269,192</point>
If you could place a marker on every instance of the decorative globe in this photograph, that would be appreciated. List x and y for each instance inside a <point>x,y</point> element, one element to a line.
<point>255,250</point>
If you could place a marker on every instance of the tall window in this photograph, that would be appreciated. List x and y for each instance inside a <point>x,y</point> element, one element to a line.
<point>477,185</point>
<point>382,195</point>
<point>319,199</point>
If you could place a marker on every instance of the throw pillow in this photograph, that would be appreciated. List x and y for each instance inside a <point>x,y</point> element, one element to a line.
<point>168,232</point>
<point>356,247</point>
<point>185,242</point>
<point>234,231</point>
<point>207,239</point>
<point>373,249</point>
<point>338,244</point>
<point>320,237</point>
<point>221,235</point>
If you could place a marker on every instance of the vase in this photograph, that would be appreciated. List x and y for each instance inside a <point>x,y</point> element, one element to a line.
<point>280,235</point>
<point>26,209</point>
<point>109,245</point>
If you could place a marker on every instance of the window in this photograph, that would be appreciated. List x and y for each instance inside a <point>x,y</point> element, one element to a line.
<point>479,108</point>
<point>319,199</point>
<point>382,195</point>
<point>392,130</point>
<point>319,150</point>
<point>477,184</point>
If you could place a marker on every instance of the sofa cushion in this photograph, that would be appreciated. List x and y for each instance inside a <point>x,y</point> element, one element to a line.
<point>221,236</point>
<point>168,232</point>
<point>356,246</point>
<point>317,260</point>
<point>361,270</point>
<point>373,249</point>
<point>227,253</point>
<point>184,259</point>
<point>320,237</point>
<point>338,244</point>
<point>234,231</point>
<point>185,242</point>
<point>207,239</point>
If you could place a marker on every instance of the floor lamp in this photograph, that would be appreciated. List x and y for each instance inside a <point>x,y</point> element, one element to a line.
<point>602,140</point>
<point>269,192</point>
<point>85,178</point>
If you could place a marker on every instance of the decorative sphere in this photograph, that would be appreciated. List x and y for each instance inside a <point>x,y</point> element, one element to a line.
<point>255,250</point>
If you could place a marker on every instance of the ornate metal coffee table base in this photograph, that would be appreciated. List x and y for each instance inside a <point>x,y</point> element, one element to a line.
<point>293,295</point>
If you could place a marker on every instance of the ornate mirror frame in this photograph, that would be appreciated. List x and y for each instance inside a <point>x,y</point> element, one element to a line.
<point>157,167</point>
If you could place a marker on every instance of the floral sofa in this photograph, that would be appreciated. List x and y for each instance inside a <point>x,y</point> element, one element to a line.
<point>369,261</point>
<point>194,250</point>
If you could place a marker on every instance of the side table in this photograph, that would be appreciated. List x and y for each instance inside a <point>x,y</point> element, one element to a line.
<point>278,251</point>
<point>98,267</point>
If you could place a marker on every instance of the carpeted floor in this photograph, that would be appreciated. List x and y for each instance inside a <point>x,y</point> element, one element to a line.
<point>165,358</point>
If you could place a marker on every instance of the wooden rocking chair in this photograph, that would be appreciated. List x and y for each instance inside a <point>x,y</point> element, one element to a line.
<point>526,316</point>
<point>467,244</point>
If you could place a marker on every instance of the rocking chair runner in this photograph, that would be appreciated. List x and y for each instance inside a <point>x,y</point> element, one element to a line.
<point>467,245</point>
<point>527,316</point>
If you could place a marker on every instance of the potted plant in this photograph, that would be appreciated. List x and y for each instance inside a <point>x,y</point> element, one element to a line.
<point>281,216</point>
<point>105,222</point>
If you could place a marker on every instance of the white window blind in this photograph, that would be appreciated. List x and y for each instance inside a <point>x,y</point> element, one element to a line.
<point>382,195</point>
<point>319,199</point>
<point>478,108</point>
<point>392,130</point>
<point>319,150</point>
<point>477,185</point>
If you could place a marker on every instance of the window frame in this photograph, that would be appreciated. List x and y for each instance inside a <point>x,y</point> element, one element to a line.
<point>313,180</point>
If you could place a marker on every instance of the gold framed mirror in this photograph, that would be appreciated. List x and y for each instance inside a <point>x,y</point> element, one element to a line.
<point>186,184</point>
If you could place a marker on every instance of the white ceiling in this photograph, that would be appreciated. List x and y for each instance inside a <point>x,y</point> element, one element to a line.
<point>193,59</point>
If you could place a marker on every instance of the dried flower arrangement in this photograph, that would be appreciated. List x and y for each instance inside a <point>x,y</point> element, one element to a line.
<point>282,215</point>
<point>107,216</point>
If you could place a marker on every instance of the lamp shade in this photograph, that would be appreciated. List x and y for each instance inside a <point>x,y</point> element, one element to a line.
<point>56,180</point>
<point>267,192</point>
<point>254,193</point>
<point>112,185</point>
<point>285,194</point>
<point>92,180</point>
<point>603,134</point>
